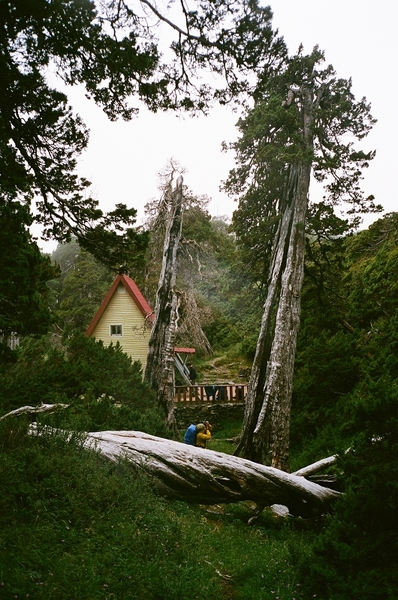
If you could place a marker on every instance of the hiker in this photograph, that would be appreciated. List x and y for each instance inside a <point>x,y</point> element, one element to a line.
<point>210,391</point>
<point>203,435</point>
<point>190,435</point>
<point>192,374</point>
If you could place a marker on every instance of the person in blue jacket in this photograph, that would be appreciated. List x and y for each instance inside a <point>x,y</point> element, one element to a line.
<point>190,435</point>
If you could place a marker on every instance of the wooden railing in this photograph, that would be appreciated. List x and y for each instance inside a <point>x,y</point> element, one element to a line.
<point>219,393</point>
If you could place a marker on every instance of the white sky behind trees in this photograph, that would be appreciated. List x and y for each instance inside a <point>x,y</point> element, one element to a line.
<point>360,40</point>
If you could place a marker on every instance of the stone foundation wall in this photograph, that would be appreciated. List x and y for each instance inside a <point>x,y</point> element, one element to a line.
<point>216,414</point>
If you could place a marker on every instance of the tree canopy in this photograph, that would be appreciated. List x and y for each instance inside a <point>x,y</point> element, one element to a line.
<point>271,141</point>
<point>24,296</point>
<point>113,50</point>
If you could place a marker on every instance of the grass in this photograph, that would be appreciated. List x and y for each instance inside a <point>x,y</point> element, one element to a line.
<point>73,525</point>
<point>258,562</point>
<point>230,366</point>
<point>225,439</point>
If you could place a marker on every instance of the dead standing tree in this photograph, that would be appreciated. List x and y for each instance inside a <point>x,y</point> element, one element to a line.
<point>159,372</point>
<point>190,332</point>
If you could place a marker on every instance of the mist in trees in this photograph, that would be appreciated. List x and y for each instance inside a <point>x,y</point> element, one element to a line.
<point>80,290</point>
<point>214,312</point>
<point>212,282</point>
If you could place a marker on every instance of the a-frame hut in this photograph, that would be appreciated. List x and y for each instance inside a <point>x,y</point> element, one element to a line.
<point>125,317</point>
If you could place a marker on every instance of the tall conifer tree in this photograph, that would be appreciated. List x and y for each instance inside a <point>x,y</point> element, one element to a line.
<point>304,121</point>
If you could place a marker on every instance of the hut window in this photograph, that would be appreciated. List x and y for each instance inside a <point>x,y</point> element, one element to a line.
<point>116,330</point>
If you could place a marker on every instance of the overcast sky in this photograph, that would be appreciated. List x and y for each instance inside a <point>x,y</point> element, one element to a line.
<point>359,38</point>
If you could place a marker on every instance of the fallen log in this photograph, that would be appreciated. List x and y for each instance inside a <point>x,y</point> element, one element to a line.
<point>33,410</point>
<point>195,475</point>
<point>316,466</point>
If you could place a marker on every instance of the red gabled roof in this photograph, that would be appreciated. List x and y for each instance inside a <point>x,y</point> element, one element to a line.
<point>135,294</point>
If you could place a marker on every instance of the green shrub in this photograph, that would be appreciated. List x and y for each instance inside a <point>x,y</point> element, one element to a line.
<point>356,558</point>
<point>103,387</point>
<point>97,414</point>
<point>221,333</point>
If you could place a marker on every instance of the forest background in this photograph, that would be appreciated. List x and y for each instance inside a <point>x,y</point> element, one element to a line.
<point>74,526</point>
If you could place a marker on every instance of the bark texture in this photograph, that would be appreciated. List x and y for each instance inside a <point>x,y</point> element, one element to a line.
<point>266,424</point>
<point>159,372</point>
<point>196,475</point>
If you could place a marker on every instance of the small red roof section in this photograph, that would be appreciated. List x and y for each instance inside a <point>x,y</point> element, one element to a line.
<point>135,294</point>
<point>184,350</point>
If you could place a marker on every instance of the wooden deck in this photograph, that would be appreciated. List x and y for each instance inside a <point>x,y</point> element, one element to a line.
<point>217,393</point>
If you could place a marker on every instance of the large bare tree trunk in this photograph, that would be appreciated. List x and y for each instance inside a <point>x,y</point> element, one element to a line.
<point>159,370</point>
<point>183,472</point>
<point>266,424</point>
<point>190,328</point>
<point>197,475</point>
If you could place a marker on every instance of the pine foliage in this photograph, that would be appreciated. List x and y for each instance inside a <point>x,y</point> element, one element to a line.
<point>346,397</point>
